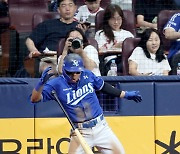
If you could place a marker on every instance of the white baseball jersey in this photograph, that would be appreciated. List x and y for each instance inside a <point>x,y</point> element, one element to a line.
<point>83,13</point>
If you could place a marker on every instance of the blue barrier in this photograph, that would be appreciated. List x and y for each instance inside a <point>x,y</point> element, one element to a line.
<point>160,97</point>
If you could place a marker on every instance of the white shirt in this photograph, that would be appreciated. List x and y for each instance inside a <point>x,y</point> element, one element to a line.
<point>83,14</point>
<point>103,41</point>
<point>92,54</point>
<point>146,65</point>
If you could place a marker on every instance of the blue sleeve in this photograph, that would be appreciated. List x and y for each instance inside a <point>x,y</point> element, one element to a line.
<point>98,82</point>
<point>47,93</point>
<point>174,22</point>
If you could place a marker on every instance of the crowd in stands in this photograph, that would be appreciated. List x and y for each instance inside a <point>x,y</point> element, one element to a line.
<point>78,21</point>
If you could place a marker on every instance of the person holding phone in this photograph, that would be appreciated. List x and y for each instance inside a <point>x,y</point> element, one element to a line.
<point>86,16</point>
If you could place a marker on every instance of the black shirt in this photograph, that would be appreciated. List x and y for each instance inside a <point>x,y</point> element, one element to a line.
<point>48,33</point>
<point>150,8</point>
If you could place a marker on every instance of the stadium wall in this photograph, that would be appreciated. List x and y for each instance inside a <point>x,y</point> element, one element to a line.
<point>149,127</point>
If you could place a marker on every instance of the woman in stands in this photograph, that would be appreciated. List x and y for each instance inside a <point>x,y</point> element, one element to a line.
<point>111,37</point>
<point>77,42</point>
<point>148,58</point>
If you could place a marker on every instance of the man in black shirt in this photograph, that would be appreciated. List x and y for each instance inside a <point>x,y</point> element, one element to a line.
<point>48,33</point>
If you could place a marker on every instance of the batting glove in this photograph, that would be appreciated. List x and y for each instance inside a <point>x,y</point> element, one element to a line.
<point>133,95</point>
<point>44,78</point>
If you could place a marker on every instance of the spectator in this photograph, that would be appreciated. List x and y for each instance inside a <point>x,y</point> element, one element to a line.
<point>111,37</point>
<point>148,58</point>
<point>172,32</point>
<point>86,15</point>
<point>88,53</point>
<point>146,11</point>
<point>90,9</point>
<point>46,35</point>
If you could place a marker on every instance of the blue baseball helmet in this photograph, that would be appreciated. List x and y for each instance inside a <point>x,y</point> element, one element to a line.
<point>72,63</point>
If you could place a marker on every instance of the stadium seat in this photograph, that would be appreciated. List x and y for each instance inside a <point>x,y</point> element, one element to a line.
<point>163,18</point>
<point>128,23</point>
<point>105,3</point>
<point>22,11</point>
<point>20,18</point>
<point>4,21</point>
<point>42,16</point>
<point>128,46</point>
<point>79,3</point>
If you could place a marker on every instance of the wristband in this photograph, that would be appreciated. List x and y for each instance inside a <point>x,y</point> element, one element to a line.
<point>38,86</point>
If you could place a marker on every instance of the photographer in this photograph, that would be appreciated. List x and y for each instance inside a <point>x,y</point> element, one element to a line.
<point>76,42</point>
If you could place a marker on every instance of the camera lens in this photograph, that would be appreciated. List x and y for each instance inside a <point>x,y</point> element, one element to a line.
<point>76,43</point>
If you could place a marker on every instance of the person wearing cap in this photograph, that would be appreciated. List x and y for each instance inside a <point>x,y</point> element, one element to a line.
<point>76,89</point>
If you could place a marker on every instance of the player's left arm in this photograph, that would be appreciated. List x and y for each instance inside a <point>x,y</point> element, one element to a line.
<point>130,95</point>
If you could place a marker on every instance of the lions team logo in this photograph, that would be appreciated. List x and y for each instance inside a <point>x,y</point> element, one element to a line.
<point>75,63</point>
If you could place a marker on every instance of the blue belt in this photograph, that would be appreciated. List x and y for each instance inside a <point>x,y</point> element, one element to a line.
<point>90,123</point>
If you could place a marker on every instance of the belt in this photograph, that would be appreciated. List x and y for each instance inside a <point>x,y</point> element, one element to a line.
<point>91,123</point>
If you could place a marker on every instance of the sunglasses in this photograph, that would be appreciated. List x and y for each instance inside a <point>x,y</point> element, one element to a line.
<point>71,73</point>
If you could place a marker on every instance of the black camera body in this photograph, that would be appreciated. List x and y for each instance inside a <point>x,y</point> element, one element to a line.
<point>76,43</point>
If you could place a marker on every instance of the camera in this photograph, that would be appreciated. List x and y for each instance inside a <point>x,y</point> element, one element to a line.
<point>76,43</point>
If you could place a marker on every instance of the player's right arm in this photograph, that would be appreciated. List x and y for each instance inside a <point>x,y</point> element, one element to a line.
<point>37,91</point>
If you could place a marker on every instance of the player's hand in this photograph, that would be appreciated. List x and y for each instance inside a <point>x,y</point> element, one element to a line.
<point>44,78</point>
<point>46,75</point>
<point>133,95</point>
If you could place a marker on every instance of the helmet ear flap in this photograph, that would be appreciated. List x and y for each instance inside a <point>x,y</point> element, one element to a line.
<point>66,76</point>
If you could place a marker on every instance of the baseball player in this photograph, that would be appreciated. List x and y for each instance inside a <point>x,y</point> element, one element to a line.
<point>75,89</point>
